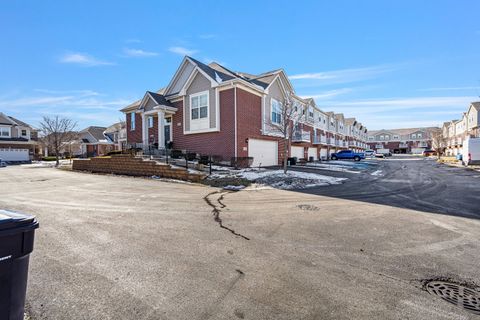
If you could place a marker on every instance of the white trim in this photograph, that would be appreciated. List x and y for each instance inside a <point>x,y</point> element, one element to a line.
<point>186,85</point>
<point>177,73</point>
<point>161,129</point>
<point>201,131</point>
<point>9,131</point>
<point>200,119</point>
<point>144,132</point>
<point>235,118</point>
<point>271,111</point>
<point>257,90</point>
<point>263,113</point>
<point>217,109</point>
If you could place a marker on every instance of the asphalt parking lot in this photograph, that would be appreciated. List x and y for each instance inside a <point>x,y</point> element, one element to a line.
<point>408,182</point>
<point>113,247</point>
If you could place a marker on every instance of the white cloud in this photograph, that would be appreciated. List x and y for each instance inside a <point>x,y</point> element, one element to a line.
<point>77,100</point>
<point>182,51</point>
<point>408,103</point>
<point>343,75</point>
<point>138,53</point>
<point>328,94</point>
<point>133,41</point>
<point>81,92</point>
<point>83,59</point>
<point>450,89</point>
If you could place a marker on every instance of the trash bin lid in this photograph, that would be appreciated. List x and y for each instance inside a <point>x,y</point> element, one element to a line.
<point>11,220</point>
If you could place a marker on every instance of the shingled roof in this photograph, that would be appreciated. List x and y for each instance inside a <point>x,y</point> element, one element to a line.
<point>96,133</point>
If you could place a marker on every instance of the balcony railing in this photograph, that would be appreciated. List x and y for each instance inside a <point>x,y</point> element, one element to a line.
<point>319,139</point>
<point>301,136</point>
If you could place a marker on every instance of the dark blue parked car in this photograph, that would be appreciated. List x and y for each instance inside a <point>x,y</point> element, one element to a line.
<point>347,154</point>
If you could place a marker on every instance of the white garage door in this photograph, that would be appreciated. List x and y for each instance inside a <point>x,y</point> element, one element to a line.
<point>264,152</point>
<point>312,152</point>
<point>14,154</point>
<point>323,153</point>
<point>297,152</point>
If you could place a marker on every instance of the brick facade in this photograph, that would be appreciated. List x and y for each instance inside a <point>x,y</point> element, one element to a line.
<point>134,136</point>
<point>220,143</point>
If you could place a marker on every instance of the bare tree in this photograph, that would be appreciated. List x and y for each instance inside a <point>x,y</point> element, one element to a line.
<point>438,143</point>
<point>284,122</point>
<point>56,133</point>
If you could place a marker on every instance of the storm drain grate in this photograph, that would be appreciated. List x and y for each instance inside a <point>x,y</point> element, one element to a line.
<point>456,294</point>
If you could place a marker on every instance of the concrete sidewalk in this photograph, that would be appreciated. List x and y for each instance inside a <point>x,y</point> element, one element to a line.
<point>113,247</point>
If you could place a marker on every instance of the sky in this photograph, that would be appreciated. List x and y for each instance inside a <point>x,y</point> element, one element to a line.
<point>390,64</point>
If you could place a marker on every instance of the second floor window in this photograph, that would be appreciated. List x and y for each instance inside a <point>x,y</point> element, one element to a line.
<point>4,132</point>
<point>132,121</point>
<point>199,106</point>
<point>276,112</point>
<point>24,133</point>
<point>310,112</point>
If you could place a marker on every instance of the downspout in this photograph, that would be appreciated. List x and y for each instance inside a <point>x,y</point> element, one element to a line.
<point>235,118</point>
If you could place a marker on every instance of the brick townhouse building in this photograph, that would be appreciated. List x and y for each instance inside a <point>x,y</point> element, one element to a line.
<point>18,140</point>
<point>456,132</point>
<point>211,110</point>
<point>408,140</point>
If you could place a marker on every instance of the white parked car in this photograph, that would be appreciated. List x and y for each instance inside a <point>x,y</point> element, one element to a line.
<point>369,153</point>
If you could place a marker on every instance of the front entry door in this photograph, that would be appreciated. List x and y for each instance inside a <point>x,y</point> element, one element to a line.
<point>167,130</point>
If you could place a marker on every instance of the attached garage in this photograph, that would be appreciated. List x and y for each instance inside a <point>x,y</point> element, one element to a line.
<point>313,152</point>
<point>14,155</point>
<point>297,152</point>
<point>264,152</point>
<point>323,153</point>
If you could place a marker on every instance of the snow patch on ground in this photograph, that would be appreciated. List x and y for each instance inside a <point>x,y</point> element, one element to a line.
<point>277,179</point>
<point>377,173</point>
<point>331,167</point>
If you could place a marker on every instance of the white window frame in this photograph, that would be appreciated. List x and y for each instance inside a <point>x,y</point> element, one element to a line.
<point>26,132</point>
<point>310,112</point>
<point>150,121</point>
<point>132,121</point>
<point>200,123</point>
<point>5,129</point>
<point>277,112</point>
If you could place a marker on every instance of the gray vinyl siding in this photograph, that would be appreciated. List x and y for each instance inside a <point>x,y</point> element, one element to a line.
<point>199,84</point>
<point>274,92</point>
<point>182,78</point>
<point>150,104</point>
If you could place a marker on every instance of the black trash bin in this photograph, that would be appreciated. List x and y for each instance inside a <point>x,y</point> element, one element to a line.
<point>17,232</point>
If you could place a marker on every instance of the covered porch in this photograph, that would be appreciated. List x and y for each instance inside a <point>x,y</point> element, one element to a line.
<point>157,118</point>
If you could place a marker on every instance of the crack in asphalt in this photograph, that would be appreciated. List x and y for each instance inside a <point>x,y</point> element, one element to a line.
<point>217,210</point>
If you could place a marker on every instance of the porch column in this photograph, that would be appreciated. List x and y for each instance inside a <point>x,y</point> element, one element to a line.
<point>161,129</point>
<point>144,131</point>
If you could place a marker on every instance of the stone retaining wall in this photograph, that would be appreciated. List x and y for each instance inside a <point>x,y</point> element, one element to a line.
<point>132,166</point>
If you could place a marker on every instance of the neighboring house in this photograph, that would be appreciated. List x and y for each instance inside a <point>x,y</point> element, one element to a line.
<point>456,131</point>
<point>18,140</point>
<point>409,140</point>
<point>94,142</point>
<point>117,133</point>
<point>211,110</point>
<point>67,148</point>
